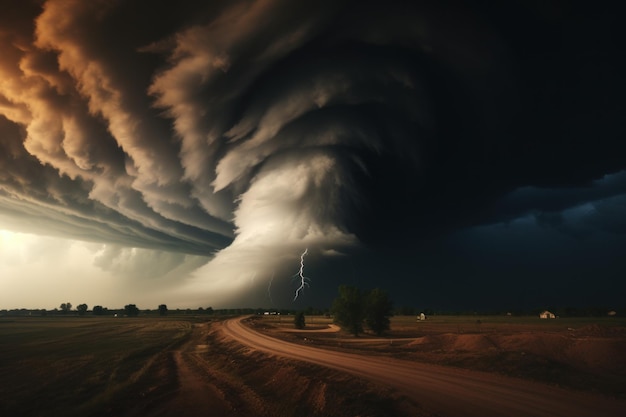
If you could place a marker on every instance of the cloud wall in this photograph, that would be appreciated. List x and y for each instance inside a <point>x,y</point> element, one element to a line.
<point>243,132</point>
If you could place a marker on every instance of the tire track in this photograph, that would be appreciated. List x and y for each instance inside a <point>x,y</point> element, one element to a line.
<point>442,390</point>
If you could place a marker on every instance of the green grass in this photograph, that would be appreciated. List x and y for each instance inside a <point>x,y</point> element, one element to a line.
<point>77,366</point>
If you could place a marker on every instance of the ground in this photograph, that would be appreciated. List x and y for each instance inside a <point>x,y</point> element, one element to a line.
<point>219,377</point>
<point>182,366</point>
<point>582,353</point>
<point>588,357</point>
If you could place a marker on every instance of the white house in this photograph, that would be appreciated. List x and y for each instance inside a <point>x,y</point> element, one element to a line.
<point>546,315</point>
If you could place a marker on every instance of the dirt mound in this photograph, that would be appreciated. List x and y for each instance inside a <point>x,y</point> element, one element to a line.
<point>598,353</point>
<point>428,343</point>
<point>551,345</point>
<point>473,342</point>
<point>454,342</point>
<point>593,353</point>
<point>589,358</point>
<point>599,331</point>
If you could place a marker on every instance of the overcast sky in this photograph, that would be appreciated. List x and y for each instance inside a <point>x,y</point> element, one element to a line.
<point>460,155</point>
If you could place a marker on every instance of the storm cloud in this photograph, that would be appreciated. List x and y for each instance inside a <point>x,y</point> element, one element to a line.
<point>237,134</point>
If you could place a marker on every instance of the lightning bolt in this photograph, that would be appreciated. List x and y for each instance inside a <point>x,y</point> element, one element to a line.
<point>304,281</point>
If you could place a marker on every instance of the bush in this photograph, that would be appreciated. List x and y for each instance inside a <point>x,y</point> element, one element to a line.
<point>298,320</point>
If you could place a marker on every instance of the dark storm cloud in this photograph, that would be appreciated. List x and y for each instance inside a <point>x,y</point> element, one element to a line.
<point>96,164</point>
<point>262,127</point>
<point>534,110</point>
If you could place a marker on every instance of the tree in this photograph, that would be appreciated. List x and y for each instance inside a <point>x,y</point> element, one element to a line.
<point>82,309</point>
<point>353,307</point>
<point>298,320</point>
<point>66,308</point>
<point>378,309</point>
<point>162,310</point>
<point>131,310</point>
<point>348,309</point>
<point>98,310</point>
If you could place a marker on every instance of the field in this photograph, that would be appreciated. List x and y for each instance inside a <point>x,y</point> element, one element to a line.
<point>153,366</point>
<point>585,354</point>
<point>82,366</point>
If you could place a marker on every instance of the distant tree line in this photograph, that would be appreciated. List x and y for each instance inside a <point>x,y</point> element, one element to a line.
<point>132,309</point>
<point>66,309</point>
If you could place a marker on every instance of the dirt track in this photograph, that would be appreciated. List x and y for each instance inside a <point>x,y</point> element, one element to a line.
<point>443,391</point>
<point>215,375</point>
<point>207,385</point>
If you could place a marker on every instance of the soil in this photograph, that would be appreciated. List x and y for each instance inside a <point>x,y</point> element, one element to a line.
<point>215,376</point>
<point>212,375</point>
<point>590,358</point>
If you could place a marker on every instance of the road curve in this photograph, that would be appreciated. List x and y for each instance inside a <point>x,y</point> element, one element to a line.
<point>444,391</point>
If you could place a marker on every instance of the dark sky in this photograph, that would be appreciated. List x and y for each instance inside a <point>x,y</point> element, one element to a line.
<point>459,154</point>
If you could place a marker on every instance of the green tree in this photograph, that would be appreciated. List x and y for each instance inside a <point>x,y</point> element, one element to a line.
<point>298,320</point>
<point>348,309</point>
<point>131,310</point>
<point>98,310</point>
<point>82,309</point>
<point>66,308</point>
<point>378,309</point>
<point>162,310</point>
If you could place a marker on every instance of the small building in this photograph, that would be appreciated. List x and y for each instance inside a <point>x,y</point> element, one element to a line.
<point>421,317</point>
<point>546,315</point>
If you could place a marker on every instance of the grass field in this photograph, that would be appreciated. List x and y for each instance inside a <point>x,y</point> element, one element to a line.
<point>161,367</point>
<point>80,366</point>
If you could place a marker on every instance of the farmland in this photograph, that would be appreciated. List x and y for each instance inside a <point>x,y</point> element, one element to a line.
<point>582,353</point>
<point>162,366</point>
<point>82,365</point>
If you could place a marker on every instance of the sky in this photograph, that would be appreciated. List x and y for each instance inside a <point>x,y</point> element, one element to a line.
<point>457,154</point>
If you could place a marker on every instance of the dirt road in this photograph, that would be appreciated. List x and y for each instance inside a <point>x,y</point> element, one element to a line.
<point>444,391</point>
<point>197,394</point>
